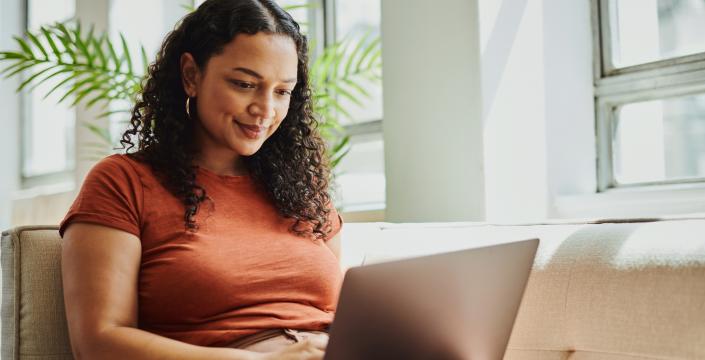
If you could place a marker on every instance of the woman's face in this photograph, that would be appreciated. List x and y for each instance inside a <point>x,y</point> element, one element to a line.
<point>243,93</point>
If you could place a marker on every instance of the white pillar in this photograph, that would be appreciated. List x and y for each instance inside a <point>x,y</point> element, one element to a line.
<point>432,117</point>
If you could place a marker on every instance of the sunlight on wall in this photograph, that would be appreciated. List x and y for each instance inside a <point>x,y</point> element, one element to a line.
<point>514,111</point>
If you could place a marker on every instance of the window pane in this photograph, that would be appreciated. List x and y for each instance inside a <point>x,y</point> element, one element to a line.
<point>300,14</point>
<point>354,19</point>
<point>360,176</point>
<point>660,140</point>
<point>48,127</point>
<point>650,30</point>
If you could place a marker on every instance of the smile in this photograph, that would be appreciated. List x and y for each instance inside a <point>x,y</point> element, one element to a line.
<point>252,131</point>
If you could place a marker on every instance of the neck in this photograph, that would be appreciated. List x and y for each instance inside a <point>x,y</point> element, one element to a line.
<point>221,164</point>
<point>217,159</point>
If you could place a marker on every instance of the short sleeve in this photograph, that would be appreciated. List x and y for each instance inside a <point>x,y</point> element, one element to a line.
<point>336,222</point>
<point>111,195</point>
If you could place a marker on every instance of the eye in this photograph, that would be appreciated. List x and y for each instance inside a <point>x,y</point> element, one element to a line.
<point>284,92</point>
<point>242,84</point>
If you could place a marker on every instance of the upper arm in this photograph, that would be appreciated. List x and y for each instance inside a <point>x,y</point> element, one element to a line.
<point>100,267</point>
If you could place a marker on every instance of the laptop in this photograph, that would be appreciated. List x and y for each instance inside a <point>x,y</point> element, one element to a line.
<point>457,305</point>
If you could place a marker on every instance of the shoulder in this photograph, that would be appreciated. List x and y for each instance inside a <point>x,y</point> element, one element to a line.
<point>112,195</point>
<point>118,168</point>
<point>118,163</point>
<point>116,176</point>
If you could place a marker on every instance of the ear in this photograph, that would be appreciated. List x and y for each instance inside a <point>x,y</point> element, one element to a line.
<point>190,75</point>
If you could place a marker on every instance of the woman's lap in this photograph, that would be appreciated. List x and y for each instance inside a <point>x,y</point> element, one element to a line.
<point>275,339</point>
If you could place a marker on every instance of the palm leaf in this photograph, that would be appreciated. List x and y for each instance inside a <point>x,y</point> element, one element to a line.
<point>111,112</point>
<point>104,95</point>
<point>81,45</point>
<point>126,53</point>
<point>339,90</point>
<point>64,37</point>
<point>63,70</point>
<point>357,87</point>
<point>38,45</point>
<point>98,46</point>
<point>26,65</point>
<point>145,60</point>
<point>188,7</point>
<point>289,8</point>
<point>17,64</point>
<point>85,92</point>
<point>23,44</point>
<point>372,48</point>
<point>61,83</point>
<point>50,39</point>
<point>85,82</point>
<point>113,55</point>
<point>8,55</point>
<point>355,53</point>
<point>101,132</point>
<point>336,157</point>
<point>34,76</point>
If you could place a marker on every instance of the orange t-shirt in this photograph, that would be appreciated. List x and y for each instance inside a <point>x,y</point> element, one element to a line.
<point>243,271</point>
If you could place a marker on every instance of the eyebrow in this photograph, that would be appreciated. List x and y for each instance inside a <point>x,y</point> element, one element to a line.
<point>258,76</point>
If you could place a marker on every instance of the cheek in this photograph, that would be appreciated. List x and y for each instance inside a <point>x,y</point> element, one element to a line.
<point>219,100</point>
<point>283,109</point>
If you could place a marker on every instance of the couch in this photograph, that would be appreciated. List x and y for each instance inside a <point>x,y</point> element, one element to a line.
<point>613,290</point>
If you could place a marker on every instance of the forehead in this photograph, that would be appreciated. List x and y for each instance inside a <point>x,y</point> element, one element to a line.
<point>270,55</point>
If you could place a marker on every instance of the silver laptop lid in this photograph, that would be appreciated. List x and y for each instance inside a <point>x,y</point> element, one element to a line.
<point>458,305</point>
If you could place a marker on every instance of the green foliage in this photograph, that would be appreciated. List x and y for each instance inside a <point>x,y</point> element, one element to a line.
<point>341,72</point>
<point>90,69</point>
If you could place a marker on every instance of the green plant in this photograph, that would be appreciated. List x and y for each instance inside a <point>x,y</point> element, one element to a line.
<point>93,71</point>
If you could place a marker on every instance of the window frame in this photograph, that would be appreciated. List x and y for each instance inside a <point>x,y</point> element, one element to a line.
<point>614,87</point>
<point>61,177</point>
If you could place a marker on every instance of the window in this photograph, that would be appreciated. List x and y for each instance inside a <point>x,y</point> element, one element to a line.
<point>360,179</point>
<point>47,127</point>
<point>650,92</point>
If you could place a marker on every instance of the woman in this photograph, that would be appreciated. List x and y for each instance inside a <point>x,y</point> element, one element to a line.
<point>215,238</point>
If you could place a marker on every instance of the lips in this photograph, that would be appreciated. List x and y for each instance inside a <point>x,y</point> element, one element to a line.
<point>251,131</point>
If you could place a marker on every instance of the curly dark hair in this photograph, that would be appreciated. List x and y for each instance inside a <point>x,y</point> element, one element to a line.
<point>291,166</point>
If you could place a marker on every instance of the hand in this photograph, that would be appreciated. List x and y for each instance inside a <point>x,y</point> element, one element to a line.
<point>309,349</point>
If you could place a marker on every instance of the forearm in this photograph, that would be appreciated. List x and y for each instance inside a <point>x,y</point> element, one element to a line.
<point>130,343</point>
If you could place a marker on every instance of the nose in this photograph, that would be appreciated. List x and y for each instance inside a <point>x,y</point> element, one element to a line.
<point>262,107</point>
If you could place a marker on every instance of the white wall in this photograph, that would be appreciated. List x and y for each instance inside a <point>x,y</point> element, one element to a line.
<point>432,116</point>
<point>537,105</point>
<point>10,24</point>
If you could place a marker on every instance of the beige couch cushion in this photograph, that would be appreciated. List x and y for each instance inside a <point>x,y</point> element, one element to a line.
<point>33,320</point>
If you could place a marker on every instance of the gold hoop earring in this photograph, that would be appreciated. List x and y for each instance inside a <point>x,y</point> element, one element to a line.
<point>188,107</point>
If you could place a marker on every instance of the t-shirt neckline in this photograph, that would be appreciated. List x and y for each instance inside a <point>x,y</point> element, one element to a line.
<point>211,174</point>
